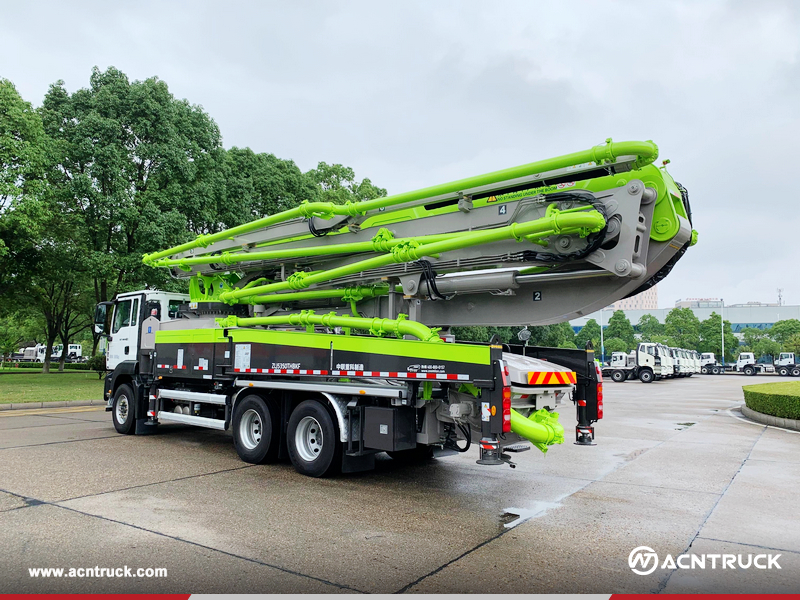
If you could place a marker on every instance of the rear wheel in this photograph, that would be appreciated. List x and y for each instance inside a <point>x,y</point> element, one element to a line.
<point>715,370</point>
<point>646,376</point>
<point>619,376</point>
<point>313,440</point>
<point>796,372</point>
<point>254,423</point>
<point>122,409</point>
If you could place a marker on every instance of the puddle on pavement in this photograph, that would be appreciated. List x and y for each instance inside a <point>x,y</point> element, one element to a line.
<point>512,517</point>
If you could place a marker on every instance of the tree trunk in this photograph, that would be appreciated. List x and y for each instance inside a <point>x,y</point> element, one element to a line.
<point>48,351</point>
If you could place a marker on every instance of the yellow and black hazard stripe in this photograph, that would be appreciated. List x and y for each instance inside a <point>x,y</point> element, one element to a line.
<point>551,377</point>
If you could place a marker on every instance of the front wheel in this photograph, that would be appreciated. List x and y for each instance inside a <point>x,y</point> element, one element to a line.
<point>122,409</point>
<point>313,440</point>
<point>704,371</point>
<point>646,376</point>
<point>749,371</point>
<point>255,427</point>
<point>618,376</point>
<point>783,371</point>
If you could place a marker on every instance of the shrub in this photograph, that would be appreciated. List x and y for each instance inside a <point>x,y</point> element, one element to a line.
<point>97,363</point>
<point>777,399</point>
<point>53,365</point>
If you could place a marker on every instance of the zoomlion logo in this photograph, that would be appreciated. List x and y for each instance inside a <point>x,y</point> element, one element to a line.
<point>643,556</point>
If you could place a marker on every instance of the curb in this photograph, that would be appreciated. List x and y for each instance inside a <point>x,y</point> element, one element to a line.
<point>57,404</point>
<point>770,420</point>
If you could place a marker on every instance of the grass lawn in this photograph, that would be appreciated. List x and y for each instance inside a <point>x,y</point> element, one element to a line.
<point>777,399</point>
<point>50,388</point>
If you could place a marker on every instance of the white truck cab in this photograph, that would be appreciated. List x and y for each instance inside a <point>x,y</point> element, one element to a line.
<point>746,363</point>
<point>130,309</point>
<point>786,364</point>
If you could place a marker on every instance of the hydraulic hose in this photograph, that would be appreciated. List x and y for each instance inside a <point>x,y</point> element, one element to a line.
<point>556,222</point>
<point>377,327</point>
<point>541,428</point>
<point>645,152</point>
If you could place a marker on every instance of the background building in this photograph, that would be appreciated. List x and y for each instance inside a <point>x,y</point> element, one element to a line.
<point>648,299</point>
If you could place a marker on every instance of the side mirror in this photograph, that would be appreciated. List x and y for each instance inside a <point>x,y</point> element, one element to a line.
<point>100,317</point>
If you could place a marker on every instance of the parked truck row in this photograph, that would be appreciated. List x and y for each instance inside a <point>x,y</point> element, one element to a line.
<point>650,362</point>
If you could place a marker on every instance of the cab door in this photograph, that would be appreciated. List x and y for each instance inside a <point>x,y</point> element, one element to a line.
<point>124,340</point>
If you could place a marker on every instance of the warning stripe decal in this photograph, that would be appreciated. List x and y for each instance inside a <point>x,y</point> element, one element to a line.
<point>551,377</point>
<point>381,374</point>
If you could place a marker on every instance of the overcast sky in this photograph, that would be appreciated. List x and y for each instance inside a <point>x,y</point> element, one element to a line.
<point>413,94</point>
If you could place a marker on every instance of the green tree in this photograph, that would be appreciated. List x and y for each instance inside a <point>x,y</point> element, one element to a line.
<point>22,145</point>
<point>683,328</point>
<point>338,184</point>
<point>766,347</point>
<point>650,327</point>
<point>615,344</point>
<point>751,336</point>
<point>781,331</point>
<point>589,332</point>
<point>792,344</point>
<point>711,337</point>
<point>126,156</point>
<point>620,327</point>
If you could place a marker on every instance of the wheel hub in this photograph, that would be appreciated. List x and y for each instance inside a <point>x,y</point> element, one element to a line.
<point>250,429</point>
<point>308,438</point>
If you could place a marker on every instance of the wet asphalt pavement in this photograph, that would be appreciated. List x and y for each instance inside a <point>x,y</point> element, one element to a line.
<point>676,468</point>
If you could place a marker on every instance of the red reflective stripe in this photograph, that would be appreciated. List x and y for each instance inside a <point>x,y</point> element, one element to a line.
<point>581,402</point>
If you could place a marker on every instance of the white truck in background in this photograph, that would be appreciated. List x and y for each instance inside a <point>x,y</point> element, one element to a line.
<point>786,364</point>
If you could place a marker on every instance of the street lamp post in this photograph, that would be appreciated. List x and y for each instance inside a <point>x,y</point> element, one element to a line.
<point>722,328</point>
<point>602,343</point>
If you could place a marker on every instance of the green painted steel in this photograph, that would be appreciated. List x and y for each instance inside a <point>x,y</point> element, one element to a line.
<point>376,327</point>
<point>541,428</point>
<point>556,222</point>
<point>433,351</point>
<point>646,153</point>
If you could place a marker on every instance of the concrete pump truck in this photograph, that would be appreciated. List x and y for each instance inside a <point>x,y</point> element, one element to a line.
<point>321,334</point>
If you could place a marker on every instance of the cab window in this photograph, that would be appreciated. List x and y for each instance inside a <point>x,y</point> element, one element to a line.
<point>174,305</point>
<point>122,316</point>
<point>135,311</point>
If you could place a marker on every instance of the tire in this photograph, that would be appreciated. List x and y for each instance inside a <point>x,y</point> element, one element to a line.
<point>618,376</point>
<point>783,371</point>
<point>311,454</point>
<point>715,370</point>
<point>796,372</point>
<point>255,429</point>
<point>704,370</point>
<point>749,371</point>
<point>122,409</point>
<point>646,376</point>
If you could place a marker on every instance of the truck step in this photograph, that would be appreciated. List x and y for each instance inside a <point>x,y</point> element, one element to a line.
<point>517,447</point>
<point>192,396</point>
<point>170,417</point>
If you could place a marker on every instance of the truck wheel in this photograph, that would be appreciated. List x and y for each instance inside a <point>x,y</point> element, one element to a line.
<point>748,370</point>
<point>122,409</point>
<point>704,370</point>
<point>783,371</point>
<point>618,376</point>
<point>313,440</point>
<point>253,426</point>
<point>715,370</point>
<point>646,376</point>
<point>796,372</point>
